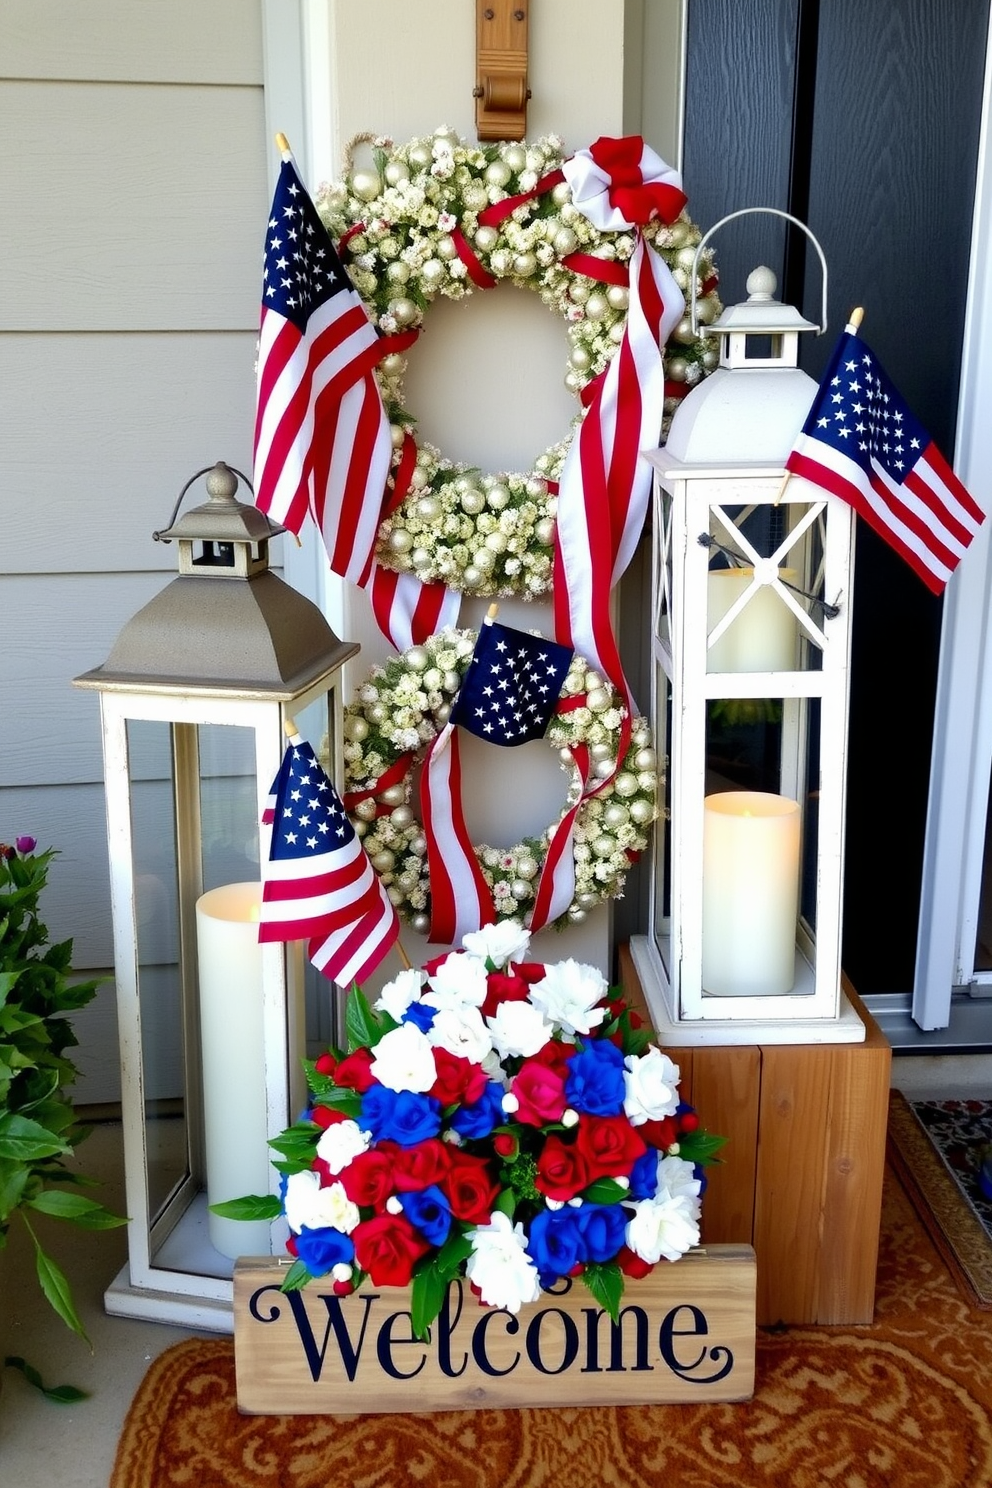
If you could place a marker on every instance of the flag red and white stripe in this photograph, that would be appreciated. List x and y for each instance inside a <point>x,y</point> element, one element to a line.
<point>318,883</point>
<point>461,899</point>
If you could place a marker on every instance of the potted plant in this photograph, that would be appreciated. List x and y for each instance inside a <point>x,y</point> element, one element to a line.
<point>38,1126</point>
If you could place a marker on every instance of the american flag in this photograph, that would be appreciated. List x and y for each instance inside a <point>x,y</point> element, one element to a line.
<point>861,442</point>
<point>322,440</point>
<point>512,685</point>
<point>319,884</point>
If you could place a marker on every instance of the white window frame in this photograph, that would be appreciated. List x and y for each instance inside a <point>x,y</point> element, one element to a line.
<point>962,752</point>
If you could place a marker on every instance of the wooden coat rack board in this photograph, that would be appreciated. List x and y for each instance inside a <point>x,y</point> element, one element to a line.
<point>501,91</point>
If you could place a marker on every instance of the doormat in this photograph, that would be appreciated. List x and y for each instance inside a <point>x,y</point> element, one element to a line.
<point>933,1146</point>
<point>906,1401</point>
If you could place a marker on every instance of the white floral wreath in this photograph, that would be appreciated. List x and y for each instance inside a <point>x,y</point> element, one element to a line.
<point>409,228</point>
<point>400,710</point>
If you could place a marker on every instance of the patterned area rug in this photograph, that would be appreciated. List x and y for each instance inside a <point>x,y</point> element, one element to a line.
<point>933,1146</point>
<point>904,1402</point>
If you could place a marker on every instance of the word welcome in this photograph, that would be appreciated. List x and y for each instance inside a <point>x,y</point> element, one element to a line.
<point>367,1329</point>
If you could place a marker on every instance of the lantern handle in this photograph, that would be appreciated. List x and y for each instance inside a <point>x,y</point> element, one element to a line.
<point>160,535</point>
<point>747,212</point>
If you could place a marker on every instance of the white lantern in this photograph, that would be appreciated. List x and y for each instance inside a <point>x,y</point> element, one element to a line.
<point>751,601</point>
<point>194,700</point>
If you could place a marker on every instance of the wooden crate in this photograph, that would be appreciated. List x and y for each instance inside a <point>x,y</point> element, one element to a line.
<point>801,1179</point>
<point>686,1334</point>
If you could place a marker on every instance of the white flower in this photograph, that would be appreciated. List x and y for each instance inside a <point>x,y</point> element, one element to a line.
<point>404,1060</point>
<point>459,981</point>
<point>651,1082</point>
<point>570,994</point>
<point>518,1028</point>
<point>506,941</point>
<point>500,1266</point>
<point>678,1178</point>
<point>462,1032</point>
<point>341,1143</point>
<point>663,1226</point>
<point>307,1204</point>
<point>397,995</point>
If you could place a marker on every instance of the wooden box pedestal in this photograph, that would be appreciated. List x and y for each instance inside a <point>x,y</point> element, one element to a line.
<point>686,1334</point>
<point>801,1179</point>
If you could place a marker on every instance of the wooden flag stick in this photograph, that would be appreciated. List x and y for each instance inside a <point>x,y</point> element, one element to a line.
<point>282,144</point>
<point>854,323</point>
<point>404,958</point>
<point>491,613</point>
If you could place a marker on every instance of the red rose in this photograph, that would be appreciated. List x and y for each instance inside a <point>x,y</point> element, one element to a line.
<point>561,1169</point>
<point>609,1144</point>
<point>457,1079</point>
<point>419,1166</point>
<point>661,1133</point>
<point>688,1121</point>
<point>506,1144</point>
<point>556,1056</point>
<point>632,1265</point>
<point>368,1179</point>
<point>388,1247</point>
<point>353,1071</point>
<point>325,1116</point>
<point>511,985</point>
<point>325,1064</point>
<point>540,1091</point>
<point>470,1187</point>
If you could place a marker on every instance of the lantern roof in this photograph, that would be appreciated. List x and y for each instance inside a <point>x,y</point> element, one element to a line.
<point>226,623</point>
<point>761,314</point>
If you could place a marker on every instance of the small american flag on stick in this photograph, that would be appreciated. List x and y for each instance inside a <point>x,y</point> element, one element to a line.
<point>861,442</point>
<point>319,884</point>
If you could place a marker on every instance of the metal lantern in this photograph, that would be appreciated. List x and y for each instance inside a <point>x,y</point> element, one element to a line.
<point>751,639</point>
<point>194,700</point>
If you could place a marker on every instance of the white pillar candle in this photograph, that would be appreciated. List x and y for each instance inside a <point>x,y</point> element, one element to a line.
<point>761,639</point>
<point>750,893</point>
<point>232,1047</point>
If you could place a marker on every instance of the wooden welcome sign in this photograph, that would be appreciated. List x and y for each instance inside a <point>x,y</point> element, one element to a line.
<point>685,1334</point>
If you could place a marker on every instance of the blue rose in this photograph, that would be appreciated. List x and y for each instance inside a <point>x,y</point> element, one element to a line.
<point>554,1243</point>
<point>319,1250</point>
<point>414,1118</point>
<point>428,1211</point>
<point>378,1106</point>
<point>644,1175</point>
<point>477,1120</point>
<point>421,1015</point>
<point>595,1079</point>
<point>602,1228</point>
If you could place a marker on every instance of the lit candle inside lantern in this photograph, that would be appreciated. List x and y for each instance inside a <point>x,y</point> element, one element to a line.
<point>750,893</point>
<point>762,638</point>
<point>233,1056</point>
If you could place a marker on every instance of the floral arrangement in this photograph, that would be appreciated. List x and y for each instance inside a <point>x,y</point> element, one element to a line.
<point>400,709</point>
<point>38,1127</point>
<point>492,1117</point>
<point>412,226</point>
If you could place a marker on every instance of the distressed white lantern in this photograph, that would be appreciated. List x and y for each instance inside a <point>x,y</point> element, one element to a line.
<point>752,579</point>
<point>194,701</point>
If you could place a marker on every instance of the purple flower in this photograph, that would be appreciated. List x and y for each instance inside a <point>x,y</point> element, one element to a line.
<point>25,845</point>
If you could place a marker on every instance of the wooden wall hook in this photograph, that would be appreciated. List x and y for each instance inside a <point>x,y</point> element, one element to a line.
<point>501,91</point>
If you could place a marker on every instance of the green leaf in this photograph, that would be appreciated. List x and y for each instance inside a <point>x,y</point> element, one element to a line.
<point>700,1146</point>
<point>13,1179</point>
<point>456,1249</point>
<point>297,1141</point>
<point>60,1394</point>
<point>252,1206</point>
<point>606,1284</point>
<point>506,1203</point>
<point>56,1289</point>
<point>326,1093</point>
<point>605,1191</point>
<point>427,1295</point>
<point>8,980</point>
<point>86,1213</point>
<point>297,1276</point>
<point>24,1140</point>
<point>361,1024</point>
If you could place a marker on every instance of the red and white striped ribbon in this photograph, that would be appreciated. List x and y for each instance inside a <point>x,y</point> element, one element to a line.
<point>461,900</point>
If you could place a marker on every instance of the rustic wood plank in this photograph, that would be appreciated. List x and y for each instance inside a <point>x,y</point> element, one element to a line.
<point>201,41</point>
<point>93,468</point>
<point>686,1335</point>
<point>789,1182</point>
<point>158,217</point>
<point>725,1092</point>
<point>854,1169</point>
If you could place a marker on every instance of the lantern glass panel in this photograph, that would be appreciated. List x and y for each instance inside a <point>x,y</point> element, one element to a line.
<point>662,876</point>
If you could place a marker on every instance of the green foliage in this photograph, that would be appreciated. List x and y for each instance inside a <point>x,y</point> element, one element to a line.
<point>38,1127</point>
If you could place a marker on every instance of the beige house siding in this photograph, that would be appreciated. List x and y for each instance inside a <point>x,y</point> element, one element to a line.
<point>134,191</point>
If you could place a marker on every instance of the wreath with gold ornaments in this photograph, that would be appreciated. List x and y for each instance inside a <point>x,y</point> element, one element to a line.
<point>397,714</point>
<point>437,216</point>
